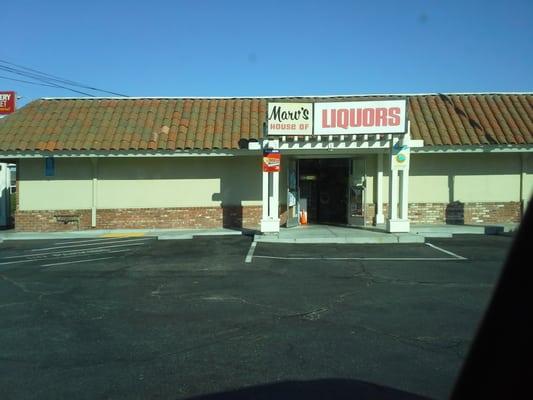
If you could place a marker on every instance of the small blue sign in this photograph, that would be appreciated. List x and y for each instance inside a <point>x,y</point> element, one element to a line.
<point>49,166</point>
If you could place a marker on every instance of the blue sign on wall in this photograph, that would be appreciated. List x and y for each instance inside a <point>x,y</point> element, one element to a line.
<point>49,166</point>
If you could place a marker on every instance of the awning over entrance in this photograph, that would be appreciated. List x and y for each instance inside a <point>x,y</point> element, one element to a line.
<point>326,181</point>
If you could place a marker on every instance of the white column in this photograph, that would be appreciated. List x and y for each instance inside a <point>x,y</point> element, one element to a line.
<point>265,196</point>
<point>270,217</point>
<point>404,194</point>
<point>393,194</point>
<point>274,205</point>
<point>399,191</point>
<point>380,218</point>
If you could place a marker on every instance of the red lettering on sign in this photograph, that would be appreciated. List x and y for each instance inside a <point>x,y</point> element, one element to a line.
<point>368,117</point>
<point>342,118</point>
<point>325,119</point>
<point>357,117</point>
<point>394,116</point>
<point>381,117</point>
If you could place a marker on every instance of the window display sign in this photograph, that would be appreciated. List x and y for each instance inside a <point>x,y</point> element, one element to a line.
<point>271,160</point>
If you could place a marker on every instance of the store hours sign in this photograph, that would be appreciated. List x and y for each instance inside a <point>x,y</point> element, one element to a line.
<point>290,119</point>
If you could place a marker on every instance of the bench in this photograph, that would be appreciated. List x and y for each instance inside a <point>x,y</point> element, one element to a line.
<point>68,218</point>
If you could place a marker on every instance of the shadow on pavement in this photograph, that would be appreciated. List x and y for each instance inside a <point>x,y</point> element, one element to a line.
<point>323,389</point>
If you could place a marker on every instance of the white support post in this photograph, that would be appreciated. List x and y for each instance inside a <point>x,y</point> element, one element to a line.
<point>274,205</point>
<point>404,194</point>
<point>270,214</point>
<point>265,196</point>
<point>380,218</point>
<point>393,194</point>
<point>399,191</point>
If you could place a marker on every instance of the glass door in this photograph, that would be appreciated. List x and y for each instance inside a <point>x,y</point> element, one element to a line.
<point>356,192</point>
<point>292,194</point>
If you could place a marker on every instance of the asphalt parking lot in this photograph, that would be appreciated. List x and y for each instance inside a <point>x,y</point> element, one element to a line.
<point>136,318</point>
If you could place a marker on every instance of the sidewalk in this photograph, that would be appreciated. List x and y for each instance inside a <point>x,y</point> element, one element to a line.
<point>337,234</point>
<point>447,231</point>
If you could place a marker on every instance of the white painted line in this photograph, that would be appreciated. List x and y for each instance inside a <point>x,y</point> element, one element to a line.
<point>446,251</point>
<point>364,258</point>
<point>250,254</point>
<point>87,244</point>
<point>84,241</point>
<point>15,262</point>
<point>75,262</point>
<point>81,251</point>
<point>62,255</point>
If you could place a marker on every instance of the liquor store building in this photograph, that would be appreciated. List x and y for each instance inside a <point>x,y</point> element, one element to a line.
<point>270,163</point>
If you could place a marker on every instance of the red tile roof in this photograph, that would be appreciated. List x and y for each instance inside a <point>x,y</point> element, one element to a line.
<point>205,124</point>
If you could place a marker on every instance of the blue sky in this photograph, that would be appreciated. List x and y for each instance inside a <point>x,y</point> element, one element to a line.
<point>252,48</point>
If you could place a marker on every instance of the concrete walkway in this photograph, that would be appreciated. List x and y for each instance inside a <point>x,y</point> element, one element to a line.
<point>337,234</point>
<point>300,234</point>
<point>447,231</point>
<point>161,234</point>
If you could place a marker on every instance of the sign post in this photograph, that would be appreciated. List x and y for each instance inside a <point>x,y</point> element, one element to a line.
<point>271,167</point>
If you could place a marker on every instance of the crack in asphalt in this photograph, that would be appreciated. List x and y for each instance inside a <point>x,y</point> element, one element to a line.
<point>365,274</point>
<point>23,288</point>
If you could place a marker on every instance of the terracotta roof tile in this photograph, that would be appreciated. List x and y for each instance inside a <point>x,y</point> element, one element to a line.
<point>178,124</point>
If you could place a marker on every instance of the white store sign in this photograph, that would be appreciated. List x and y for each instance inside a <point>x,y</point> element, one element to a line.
<point>290,119</point>
<point>360,117</point>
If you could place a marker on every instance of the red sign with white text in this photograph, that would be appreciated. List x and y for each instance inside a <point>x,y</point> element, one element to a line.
<point>271,161</point>
<point>7,102</point>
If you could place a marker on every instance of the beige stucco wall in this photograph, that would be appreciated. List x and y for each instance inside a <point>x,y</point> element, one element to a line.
<point>70,188</point>
<point>442,178</point>
<point>211,181</point>
<point>142,183</point>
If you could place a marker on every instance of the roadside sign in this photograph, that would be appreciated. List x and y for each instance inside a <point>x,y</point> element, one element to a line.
<point>7,102</point>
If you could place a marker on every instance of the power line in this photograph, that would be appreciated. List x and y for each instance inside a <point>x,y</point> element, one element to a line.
<point>13,71</point>
<point>50,79</point>
<point>21,80</point>
<point>36,74</point>
<point>40,72</point>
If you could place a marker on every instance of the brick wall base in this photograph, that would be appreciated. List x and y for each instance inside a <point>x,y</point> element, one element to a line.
<point>248,217</point>
<point>456,213</point>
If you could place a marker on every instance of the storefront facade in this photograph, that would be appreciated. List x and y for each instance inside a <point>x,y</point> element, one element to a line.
<point>197,163</point>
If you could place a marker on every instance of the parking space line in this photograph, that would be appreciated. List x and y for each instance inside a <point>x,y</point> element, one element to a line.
<point>446,251</point>
<point>64,255</point>
<point>109,241</point>
<point>73,251</point>
<point>16,262</point>
<point>250,254</point>
<point>366,258</point>
<point>75,262</point>
<point>85,241</point>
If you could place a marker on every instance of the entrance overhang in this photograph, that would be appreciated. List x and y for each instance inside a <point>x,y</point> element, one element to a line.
<point>392,145</point>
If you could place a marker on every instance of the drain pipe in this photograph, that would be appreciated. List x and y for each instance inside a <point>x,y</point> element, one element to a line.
<point>94,162</point>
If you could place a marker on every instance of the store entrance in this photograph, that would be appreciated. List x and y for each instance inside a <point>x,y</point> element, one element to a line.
<point>323,189</point>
